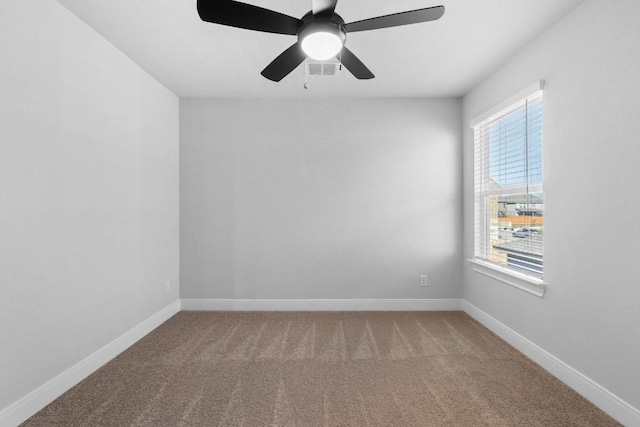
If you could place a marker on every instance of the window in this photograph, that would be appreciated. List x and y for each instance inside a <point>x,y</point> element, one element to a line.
<point>509,198</point>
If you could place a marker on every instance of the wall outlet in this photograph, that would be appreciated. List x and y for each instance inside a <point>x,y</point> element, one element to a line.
<point>423,280</point>
<point>167,286</point>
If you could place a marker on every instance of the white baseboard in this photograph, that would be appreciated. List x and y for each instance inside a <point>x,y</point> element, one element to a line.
<point>589,389</point>
<point>33,402</point>
<point>321,304</point>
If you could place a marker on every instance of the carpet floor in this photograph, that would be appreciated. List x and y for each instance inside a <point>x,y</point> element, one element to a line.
<point>321,369</point>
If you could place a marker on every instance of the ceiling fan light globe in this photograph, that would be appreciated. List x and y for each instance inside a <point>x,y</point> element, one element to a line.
<point>321,45</point>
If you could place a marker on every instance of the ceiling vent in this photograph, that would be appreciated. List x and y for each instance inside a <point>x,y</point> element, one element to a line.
<point>322,69</point>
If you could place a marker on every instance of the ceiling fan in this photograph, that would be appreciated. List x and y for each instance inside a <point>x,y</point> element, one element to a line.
<point>321,32</point>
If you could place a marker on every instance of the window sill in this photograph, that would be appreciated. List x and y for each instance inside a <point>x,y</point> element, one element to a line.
<point>523,282</point>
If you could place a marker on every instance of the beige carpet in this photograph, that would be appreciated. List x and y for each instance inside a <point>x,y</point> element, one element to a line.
<point>321,369</point>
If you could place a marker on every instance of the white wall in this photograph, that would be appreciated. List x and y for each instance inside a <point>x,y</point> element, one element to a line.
<point>320,199</point>
<point>88,194</point>
<point>590,317</point>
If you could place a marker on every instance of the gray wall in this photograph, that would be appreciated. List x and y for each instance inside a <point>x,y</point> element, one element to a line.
<point>89,194</point>
<point>589,318</point>
<point>320,199</point>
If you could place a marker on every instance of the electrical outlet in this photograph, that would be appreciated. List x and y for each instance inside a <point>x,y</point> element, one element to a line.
<point>167,286</point>
<point>423,280</point>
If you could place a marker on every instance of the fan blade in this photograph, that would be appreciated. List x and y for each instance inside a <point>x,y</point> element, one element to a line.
<point>285,63</point>
<point>397,19</point>
<point>354,65</point>
<point>323,6</point>
<point>242,15</point>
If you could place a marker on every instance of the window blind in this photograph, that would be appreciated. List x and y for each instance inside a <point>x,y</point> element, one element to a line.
<point>509,197</point>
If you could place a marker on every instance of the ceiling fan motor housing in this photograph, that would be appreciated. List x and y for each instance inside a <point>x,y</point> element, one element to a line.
<point>332,24</point>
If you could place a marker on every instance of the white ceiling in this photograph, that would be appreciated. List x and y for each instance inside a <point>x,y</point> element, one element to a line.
<point>444,58</point>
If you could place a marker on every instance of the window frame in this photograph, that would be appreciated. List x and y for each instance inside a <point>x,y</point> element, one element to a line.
<point>514,276</point>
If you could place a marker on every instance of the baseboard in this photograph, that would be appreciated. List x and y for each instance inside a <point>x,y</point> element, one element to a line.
<point>321,304</point>
<point>589,389</point>
<point>33,402</point>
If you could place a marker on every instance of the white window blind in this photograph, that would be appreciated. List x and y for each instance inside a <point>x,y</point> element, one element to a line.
<point>509,198</point>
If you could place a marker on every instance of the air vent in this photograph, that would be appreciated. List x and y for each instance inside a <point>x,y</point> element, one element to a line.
<point>322,69</point>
